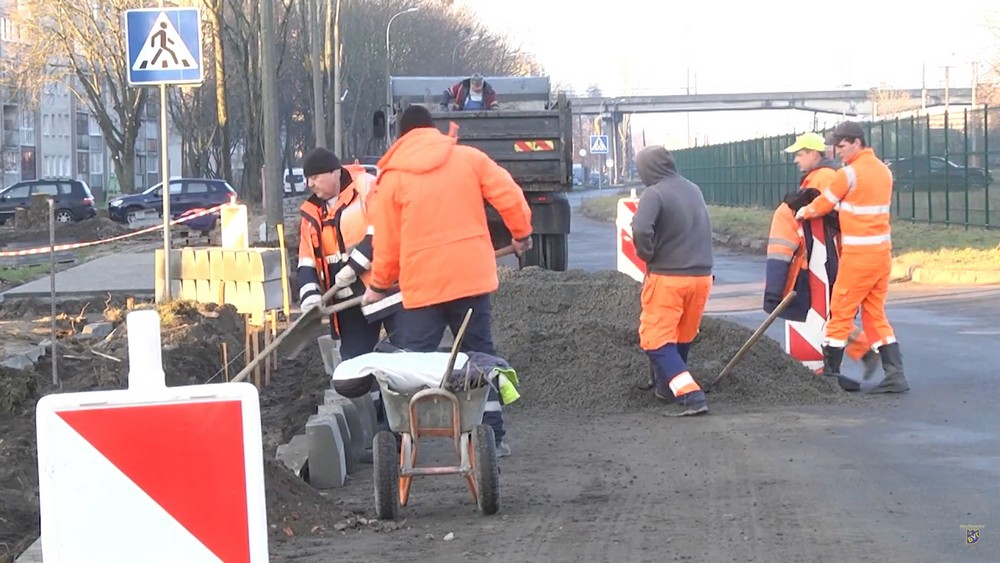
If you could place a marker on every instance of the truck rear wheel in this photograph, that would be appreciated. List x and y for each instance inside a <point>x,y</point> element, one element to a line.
<point>547,251</point>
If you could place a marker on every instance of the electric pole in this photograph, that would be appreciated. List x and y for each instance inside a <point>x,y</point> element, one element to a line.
<point>272,189</point>
<point>317,33</point>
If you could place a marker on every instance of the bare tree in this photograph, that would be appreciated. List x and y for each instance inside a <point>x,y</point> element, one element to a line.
<point>82,45</point>
<point>887,102</point>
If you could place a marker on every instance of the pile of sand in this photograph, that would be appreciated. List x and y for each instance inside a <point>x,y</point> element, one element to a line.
<point>572,336</point>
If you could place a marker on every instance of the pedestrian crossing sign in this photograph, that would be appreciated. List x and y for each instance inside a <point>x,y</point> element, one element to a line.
<point>598,144</point>
<point>163,46</point>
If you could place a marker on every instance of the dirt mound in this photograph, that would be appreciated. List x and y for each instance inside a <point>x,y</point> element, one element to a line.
<point>573,338</point>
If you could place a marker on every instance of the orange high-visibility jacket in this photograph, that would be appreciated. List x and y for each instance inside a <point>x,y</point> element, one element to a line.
<point>431,233</point>
<point>790,248</point>
<point>862,194</point>
<point>335,238</point>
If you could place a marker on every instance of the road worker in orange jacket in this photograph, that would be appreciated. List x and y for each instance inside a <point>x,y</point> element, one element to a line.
<point>673,235</point>
<point>335,249</point>
<point>432,238</point>
<point>862,192</point>
<point>793,248</point>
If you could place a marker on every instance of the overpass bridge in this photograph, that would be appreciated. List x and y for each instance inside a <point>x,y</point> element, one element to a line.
<point>840,102</point>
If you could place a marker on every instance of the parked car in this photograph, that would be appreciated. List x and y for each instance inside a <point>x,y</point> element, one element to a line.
<point>186,194</point>
<point>73,198</point>
<point>295,182</point>
<point>933,173</point>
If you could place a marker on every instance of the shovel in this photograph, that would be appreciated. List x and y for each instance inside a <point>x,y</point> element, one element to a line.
<point>394,299</point>
<point>754,338</point>
<point>301,332</point>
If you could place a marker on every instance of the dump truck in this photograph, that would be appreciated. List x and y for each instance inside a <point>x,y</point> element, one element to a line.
<point>530,135</point>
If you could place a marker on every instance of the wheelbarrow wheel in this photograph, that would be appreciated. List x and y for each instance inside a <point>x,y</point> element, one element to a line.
<point>487,470</point>
<point>385,459</point>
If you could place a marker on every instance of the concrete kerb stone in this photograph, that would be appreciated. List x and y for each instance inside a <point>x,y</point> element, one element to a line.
<point>365,408</point>
<point>295,454</point>
<point>354,424</point>
<point>330,351</point>
<point>327,452</point>
<point>337,411</point>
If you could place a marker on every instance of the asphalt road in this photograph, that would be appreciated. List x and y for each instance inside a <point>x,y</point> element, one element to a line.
<point>918,467</point>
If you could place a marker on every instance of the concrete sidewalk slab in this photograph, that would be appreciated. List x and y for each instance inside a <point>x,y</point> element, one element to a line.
<point>118,274</point>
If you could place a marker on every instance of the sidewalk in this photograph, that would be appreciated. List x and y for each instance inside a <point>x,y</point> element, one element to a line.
<point>128,274</point>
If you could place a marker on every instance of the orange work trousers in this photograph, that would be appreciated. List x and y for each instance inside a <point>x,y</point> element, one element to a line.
<point>672,307</point>
<point>862,281</point>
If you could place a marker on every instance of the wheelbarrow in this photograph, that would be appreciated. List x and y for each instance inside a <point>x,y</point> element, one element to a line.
<point>435,412</point>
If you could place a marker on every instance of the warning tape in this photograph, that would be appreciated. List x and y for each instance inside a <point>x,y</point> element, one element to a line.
<point>75,245</point>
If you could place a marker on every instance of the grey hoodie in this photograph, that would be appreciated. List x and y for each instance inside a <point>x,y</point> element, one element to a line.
<point>671,228</point>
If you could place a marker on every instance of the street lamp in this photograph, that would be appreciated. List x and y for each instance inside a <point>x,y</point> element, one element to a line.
<point>388,70</point>
<point>455,52</point>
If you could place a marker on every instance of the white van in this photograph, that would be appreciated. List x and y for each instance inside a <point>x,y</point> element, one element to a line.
<point>295,182</point>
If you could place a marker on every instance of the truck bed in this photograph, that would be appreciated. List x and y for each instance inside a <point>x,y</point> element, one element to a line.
<point>528,143</point>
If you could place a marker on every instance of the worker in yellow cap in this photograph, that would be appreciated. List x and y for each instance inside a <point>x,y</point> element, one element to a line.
<point>804,257</point>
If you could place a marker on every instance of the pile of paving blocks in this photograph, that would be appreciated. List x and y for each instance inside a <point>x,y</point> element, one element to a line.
<point>337,438</point>
<point>249,279</point>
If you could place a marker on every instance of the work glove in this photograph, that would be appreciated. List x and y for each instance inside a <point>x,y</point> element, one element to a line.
<point>800,215</point>
<point>310,302</point>
<point>372,296</point>
<point>345,277</point>
<point>521,246</point>
<point>800,198</point>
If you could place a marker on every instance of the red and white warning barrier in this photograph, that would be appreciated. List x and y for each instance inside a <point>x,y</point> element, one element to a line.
<point>628,262</point>
<point>75,245</point>
<point>152,473</point>
<point>804,340</point>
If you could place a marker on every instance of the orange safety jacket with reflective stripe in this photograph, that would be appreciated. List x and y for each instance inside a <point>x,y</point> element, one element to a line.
<point>862,194</point>
<point>335,238</point>
<point>791,245</point>
<point>431,231</point>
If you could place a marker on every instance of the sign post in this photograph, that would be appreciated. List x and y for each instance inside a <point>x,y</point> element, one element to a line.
<point>163,47</point>
<point>599,145</point>
<point>152,473</point>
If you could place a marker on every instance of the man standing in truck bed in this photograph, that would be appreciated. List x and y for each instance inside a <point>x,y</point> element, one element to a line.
<point>431,237</point>
<point>471,94</point>
<point>673,235</point>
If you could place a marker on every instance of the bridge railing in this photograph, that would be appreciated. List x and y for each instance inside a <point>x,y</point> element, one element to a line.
<point>946,167</point>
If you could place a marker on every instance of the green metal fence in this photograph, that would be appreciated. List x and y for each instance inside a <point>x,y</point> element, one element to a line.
<point>946,167</point>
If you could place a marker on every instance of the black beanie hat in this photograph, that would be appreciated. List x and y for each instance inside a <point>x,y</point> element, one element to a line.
<point>318,161</point>
<point>414,117</point>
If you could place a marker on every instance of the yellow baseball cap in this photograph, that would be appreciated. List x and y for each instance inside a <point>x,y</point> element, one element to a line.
<point>810,141</point>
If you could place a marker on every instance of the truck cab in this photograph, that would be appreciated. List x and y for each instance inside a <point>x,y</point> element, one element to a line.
<point>530,135</point>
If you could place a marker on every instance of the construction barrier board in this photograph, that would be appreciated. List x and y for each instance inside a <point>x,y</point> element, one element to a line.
<point>167,474</point>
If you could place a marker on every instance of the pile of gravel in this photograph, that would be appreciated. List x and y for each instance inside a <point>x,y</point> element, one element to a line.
<point>573,339</point>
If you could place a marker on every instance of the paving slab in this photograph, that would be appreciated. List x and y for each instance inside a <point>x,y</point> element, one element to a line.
<point>128,273</point>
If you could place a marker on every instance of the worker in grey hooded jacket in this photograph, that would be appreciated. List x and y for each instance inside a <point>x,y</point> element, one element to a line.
<point>673,236</point>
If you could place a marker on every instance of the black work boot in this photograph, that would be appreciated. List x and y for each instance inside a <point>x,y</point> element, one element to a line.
<point>892,365</point>
<point>871,362</point>
<point>832,358</point>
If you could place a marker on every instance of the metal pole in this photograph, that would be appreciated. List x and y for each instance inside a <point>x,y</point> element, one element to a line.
<point>272,157</point>
<point>52,288</point>
<point>338,121</point>
<point>388,72</point>
<point>319,121</point>
<point>165,191</point>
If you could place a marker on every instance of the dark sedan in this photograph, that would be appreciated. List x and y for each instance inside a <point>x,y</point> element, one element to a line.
<point>186,194</point>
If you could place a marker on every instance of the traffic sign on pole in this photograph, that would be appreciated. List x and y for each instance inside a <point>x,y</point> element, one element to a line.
<point>598,144</point>
<point>152,473</point>
<point>163,46</point>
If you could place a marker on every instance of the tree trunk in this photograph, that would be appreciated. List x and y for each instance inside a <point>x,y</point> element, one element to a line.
<point>222,110</point>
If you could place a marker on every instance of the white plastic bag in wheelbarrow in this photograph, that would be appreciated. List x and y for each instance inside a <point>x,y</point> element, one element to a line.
<point>406,372</point>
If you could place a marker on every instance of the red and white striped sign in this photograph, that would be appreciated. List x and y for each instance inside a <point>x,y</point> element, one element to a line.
<point>628,262</point>
<point>171,474</point>
<point>804,340</point>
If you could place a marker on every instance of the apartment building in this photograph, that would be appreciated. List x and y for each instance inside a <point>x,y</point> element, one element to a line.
<point>59,135</point>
